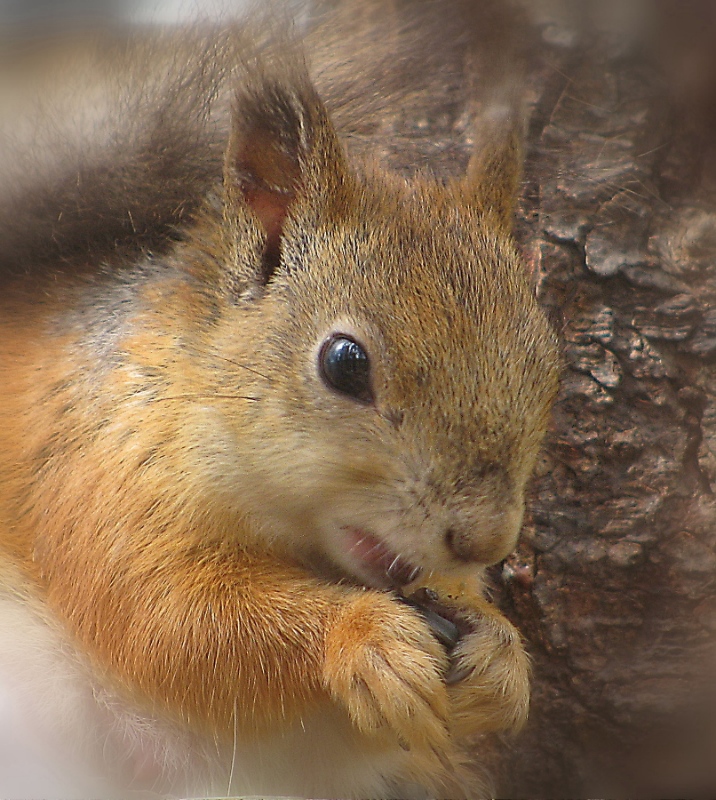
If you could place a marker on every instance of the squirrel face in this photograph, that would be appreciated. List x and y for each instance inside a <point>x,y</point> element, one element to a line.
<point>418,457</point>
<point>400,371</point>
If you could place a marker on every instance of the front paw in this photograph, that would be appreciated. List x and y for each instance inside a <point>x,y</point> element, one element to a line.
<point>386,668</point>
<point>489,676</point>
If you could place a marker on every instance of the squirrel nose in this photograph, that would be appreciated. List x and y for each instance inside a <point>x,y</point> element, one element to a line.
<point>487,542</point>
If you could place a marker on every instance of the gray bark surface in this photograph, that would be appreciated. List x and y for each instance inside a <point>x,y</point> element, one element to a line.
<point>614,583</point>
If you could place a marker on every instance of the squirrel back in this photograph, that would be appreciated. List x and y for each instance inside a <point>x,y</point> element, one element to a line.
<point>229,450</point>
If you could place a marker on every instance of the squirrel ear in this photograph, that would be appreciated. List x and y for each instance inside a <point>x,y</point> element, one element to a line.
<point>495,169</point>
<point>281,138</point>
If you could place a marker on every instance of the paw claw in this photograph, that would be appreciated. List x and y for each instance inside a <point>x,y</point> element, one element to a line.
<point>458,673</point>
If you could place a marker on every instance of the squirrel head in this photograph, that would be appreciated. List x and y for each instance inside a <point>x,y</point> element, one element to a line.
<point>396,370</point>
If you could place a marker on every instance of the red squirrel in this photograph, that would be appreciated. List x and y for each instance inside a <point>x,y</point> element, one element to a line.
<point>239,433</point>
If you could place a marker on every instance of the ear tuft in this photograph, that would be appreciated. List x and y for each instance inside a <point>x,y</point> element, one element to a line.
<point>495,169</point>
<point>278,125</point>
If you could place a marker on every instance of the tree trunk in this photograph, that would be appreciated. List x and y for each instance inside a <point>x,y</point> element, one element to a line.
<point>613,585</point>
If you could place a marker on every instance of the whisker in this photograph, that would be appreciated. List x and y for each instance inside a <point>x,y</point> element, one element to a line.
<point>205,397</point>
<point>242,366</point>
<point>233,754</point>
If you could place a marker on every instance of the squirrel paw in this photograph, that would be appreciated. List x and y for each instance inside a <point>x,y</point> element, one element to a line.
<point>384,665</point>
<point>489,678</point>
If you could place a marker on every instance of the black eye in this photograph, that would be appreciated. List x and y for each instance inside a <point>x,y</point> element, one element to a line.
<point>344,366</point>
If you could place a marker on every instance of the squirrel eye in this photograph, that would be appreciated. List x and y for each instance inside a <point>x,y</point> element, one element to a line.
<point>344,367</point>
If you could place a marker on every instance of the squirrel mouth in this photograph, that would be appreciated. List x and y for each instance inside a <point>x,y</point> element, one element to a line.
<point>384,567</point>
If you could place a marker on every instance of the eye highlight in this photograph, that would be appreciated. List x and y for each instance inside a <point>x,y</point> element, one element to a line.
<point>344,367</point>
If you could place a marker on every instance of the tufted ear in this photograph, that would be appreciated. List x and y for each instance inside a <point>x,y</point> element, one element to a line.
<point>495,169</point>
<point>282,148</point>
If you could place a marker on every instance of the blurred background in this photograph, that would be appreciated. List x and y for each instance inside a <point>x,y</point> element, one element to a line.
<point>45,15</point>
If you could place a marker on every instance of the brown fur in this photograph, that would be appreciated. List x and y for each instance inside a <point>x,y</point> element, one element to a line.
<point>169,455</point>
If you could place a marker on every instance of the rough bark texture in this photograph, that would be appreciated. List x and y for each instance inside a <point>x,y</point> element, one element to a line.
<point>614,583</point>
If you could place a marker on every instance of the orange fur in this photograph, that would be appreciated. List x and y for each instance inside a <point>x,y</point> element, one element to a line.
<point>176,480</point>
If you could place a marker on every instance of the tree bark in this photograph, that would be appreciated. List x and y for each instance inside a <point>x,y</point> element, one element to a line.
<point>613,585</point>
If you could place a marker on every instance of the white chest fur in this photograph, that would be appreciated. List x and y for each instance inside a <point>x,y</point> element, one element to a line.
<point>62,734</point>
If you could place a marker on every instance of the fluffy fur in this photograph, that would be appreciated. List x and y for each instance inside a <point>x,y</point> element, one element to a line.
<point>177,481</point>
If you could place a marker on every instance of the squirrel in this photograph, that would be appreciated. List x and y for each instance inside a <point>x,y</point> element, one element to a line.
<point>258,451</point>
